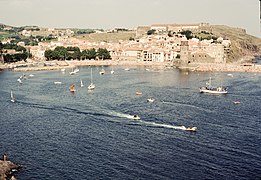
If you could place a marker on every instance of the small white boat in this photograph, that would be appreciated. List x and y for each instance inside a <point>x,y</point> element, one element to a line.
<point>31,75</point>
<point>102,72</point>
<point>57,82</point>
<point>12,97</point>
<point>231,75</point>
<point>236,102</point>
<point>112,72</point>
<point>82,84</point>
<point>127,69</point>
<point>136,117</point>
<point>151,100</point>
<point>20,81</point>
<point>63,70</point>
<point>72,73</point>
<point>138,93</point>
<point>76,70</point>
<point>192,129</point>
<point>91,86</point>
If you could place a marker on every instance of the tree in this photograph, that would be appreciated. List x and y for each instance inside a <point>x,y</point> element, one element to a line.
<point>61,52</point>
<point>151,31</point>
<point>48,54</point>
<point>103,53</point>
<point>89,54</point>
<point>188,34</point>
<point>73,53</point>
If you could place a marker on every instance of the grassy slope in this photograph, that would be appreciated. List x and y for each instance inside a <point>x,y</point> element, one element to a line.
<point>107,37</point>
<point>242,44</point>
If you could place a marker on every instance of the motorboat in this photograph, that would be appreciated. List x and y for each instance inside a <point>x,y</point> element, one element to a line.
<point>150,99</point>
<point>136,117</point>
<point>236,102</point>
<point>192,129</point>
<point>213,90</point>
<point>127,69</point>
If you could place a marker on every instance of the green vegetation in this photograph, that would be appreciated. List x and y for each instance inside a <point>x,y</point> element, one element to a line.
<point>62,53</point>
<point>151,31</point>
<point>19,53</point>
<point>188,34</point>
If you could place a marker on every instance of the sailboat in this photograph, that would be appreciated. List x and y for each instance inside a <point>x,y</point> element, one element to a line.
<point>72,88</point>
<point>81,84</point>
<point>12,97</point>
<point>102,72</point>
<point>112,71</point>
<point>91,86</point>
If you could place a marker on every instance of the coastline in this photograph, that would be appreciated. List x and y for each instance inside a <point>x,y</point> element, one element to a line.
<point>6,168</point>
<point>229,67</point>
<point>199,67</point>
<point>57,65</point>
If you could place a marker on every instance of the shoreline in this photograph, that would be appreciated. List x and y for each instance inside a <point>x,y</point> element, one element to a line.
<point>199,67</point>
<point>58,65</point>
<point>6,169</point>
<point>208,67</point>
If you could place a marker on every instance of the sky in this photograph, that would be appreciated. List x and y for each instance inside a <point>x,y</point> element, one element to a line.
<point>108,14</point>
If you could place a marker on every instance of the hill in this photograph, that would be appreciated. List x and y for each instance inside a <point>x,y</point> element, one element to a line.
<point>107,37</point>
<point>243,45</point>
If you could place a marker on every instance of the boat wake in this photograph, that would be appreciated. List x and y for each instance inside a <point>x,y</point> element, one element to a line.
<point>163,125</point>
<point>149,124</point>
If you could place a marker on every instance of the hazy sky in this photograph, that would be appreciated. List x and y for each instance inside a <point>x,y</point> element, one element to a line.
<point>130,13</point>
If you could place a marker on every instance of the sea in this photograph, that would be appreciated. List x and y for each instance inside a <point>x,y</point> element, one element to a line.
<point>55,134</point>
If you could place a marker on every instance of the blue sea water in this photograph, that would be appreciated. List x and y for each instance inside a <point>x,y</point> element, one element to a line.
<point>55,134</point>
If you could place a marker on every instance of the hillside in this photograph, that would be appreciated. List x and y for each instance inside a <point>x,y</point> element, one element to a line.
<point>243,45</point>
<point>107,37</point>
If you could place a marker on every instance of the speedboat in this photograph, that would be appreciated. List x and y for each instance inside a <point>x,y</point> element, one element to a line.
<point>236,102</point>
<point>136,117</point>
<point>151,100</point>
<point>192,129</point>
<point>127,69</point>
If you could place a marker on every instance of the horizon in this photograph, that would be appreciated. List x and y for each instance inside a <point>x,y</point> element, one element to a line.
<point>111,14</point>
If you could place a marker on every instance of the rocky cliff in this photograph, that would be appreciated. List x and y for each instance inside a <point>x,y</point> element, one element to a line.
<point>243,45</point>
